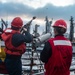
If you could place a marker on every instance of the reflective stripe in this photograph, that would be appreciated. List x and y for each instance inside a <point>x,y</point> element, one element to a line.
<point>8,30</point>
<point>62,42</point>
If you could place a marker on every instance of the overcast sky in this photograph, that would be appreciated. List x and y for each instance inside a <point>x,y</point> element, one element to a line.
<point>26,9</point>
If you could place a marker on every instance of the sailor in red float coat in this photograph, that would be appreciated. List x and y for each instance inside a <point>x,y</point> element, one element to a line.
<point>15,47</point>
<point>10,49</point>
<point>57,52</point>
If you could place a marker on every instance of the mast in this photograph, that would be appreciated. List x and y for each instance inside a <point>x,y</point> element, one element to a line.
<point>71,36</point>
<point>35,31</point>
<point>48,25</point>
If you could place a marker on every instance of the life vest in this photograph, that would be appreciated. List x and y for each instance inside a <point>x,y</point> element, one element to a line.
<point>60,61</point>
<point>10,49</point>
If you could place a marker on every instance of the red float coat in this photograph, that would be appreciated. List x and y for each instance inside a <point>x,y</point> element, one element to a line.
<point>60,61</point>
<point>10,49</point>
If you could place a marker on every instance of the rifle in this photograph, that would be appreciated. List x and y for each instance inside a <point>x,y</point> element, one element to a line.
<point>27,26</point>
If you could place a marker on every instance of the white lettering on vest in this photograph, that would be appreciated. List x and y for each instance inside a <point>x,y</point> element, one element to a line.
<point>62,42</point>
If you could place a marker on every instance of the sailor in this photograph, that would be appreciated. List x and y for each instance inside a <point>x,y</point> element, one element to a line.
<point>57,52</point>
<point>15,46</point>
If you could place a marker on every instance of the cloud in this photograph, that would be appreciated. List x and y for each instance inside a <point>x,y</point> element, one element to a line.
<point>56,12</point>
<point>13,9</point>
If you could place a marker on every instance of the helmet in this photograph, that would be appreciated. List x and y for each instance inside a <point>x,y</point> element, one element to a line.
<point>60,23</point>
<point>17,22</point>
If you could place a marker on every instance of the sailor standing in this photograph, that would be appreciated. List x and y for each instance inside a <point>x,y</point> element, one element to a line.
<point>57,52</point>
<point>15,46</point>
